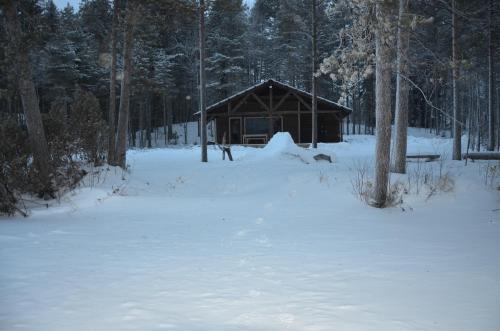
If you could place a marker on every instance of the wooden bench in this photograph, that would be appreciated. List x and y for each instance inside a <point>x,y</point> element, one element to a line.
<point>482,156</point>
<point>247,138</point>
<point>427,157</point>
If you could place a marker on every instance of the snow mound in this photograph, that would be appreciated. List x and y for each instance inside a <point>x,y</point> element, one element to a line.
<point>281,146</point>
<point>281,143</point>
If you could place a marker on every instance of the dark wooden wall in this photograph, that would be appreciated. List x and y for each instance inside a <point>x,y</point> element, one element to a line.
<point>285,103</point>
<point>328,127</point>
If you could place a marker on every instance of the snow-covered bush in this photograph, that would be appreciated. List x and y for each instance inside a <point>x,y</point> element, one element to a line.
<point>361,185</point>
<point>76,136</point>
<point>491,175</point>
<point>421,179</point>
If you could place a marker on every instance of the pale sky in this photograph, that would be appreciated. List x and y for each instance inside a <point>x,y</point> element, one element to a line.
<point>75,3</point>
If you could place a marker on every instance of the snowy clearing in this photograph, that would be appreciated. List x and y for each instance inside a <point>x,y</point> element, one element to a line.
<point>272,241</point>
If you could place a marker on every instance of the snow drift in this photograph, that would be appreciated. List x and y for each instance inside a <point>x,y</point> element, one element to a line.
<point>281,146</point>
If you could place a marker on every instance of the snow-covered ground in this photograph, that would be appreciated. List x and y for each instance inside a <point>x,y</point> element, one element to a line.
<point>271,241</point>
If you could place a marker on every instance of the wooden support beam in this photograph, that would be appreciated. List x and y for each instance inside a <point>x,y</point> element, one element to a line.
<point>298,118</point>
<point>282,100</point>
<point>271,99</point>
<point>302,101</point>
<point>339,120</point>
<point>262,114</point>
<point>259,100</point>
<point>242,101</point>
<point>270,127</point>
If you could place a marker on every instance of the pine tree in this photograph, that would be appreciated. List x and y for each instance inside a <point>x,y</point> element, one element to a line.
<point>226,32</point>
<point>26,86</point>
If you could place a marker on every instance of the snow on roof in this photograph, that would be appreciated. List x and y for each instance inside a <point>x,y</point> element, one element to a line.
<point>272,82</point>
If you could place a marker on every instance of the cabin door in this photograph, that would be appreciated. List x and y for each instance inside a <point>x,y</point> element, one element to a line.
<point>235,130</point>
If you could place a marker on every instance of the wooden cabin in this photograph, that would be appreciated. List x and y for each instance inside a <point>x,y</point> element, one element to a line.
<point>255,114</point>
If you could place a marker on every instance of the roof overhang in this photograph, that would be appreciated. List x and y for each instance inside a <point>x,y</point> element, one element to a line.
<point>271,83</point>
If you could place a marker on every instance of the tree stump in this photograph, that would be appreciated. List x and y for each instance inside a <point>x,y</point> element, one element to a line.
<point>323,157</point>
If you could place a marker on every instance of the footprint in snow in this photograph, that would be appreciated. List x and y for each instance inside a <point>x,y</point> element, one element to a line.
<point>164,326</point>
<point>286,318</point>
<point>58,232</point>
<point>254,293</point>
<point>242,233</point>
<point>137,314</point>
<point>128,304</point>
<point>8,238</point>
<point>263,241</point>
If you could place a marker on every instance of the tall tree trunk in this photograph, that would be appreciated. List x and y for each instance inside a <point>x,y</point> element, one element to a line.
<point>457,127</point>
<point>498,120</point>
<point>121,142</point>
<point>170,120</point>
<point>29,97</point>
<point>478,117</point>
<point>112,86</point>
<point>203,111</point>
<point>164,104</point>
<point>314,108</point>
<point>491,79</point>
<point>360,110</point>
<point>347,123</point>
<point>132,132</point>
<point>141,124</point>
<point>469,129</point>
<point>353,114</point>
<point>149,118</point>
<point>384,11</point>
<point>402,89</point>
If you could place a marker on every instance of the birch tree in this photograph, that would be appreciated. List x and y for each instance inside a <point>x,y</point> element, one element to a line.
<point>457,128</point>
<point>384,10</point>
<point>314,59</point>
<point>203,113</point>
<point>401,122</point>
<point>112,85</point>
<point>123,117</point>
<point>491,77</point>
<point>354,64</point>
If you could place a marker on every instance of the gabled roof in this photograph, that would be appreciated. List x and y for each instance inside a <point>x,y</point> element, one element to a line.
<point>272,82</point>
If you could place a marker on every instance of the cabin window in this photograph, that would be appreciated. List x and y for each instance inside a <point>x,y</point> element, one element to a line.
<point>260,125</point>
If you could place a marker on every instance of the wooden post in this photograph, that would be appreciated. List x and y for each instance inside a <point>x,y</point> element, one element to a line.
<point>314,107</point>
<point>298,120</point>
<point>271,124</point>
<point>112,85</point>
<point>457,128</point>
<point>341,129</point>
<point>203,113</point>
<point>164,104</point>
<point>491,79</point>
<point>498,120</point>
